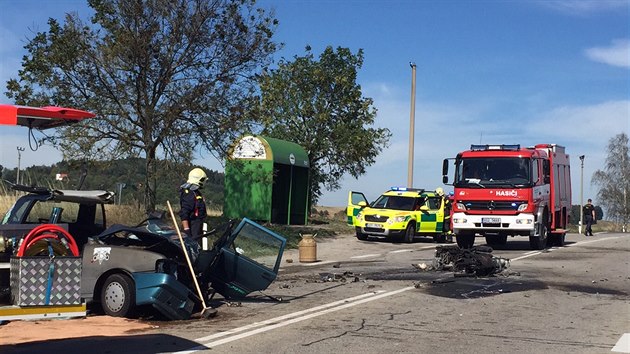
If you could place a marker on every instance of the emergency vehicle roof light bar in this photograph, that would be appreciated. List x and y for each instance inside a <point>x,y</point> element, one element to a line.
<point>475,147</point>
<point>405,189</point>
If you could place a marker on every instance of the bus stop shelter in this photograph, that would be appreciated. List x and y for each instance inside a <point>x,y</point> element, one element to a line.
<point>267,179</point>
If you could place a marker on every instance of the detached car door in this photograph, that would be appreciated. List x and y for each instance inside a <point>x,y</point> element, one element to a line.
<point>249,260</point>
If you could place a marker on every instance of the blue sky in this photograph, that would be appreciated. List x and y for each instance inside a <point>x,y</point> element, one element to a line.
<point>517,71</point>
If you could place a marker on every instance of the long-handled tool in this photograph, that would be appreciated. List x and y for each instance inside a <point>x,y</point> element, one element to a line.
<point>207,312</point>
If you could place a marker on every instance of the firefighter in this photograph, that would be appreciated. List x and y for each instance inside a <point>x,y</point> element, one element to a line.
<point>192,206</point>
<point>446,225</point>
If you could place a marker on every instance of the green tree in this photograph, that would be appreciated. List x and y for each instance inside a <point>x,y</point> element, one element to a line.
<point>319,105</point>
<point>614,181</point>
<point>166,78</point>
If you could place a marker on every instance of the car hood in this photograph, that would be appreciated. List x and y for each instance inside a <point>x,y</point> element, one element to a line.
<point>158,240</point>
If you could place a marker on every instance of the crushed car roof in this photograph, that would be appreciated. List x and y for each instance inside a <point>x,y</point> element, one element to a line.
<point>68,195</point>
<point>96,196</point>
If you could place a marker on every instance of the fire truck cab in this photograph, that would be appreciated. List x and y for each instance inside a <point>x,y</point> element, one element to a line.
<point>506,190</point>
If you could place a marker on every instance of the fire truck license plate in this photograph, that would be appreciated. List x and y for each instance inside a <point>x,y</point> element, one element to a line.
<point>490,220</point>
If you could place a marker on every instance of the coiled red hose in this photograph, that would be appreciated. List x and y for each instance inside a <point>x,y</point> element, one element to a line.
<point>48,231</point>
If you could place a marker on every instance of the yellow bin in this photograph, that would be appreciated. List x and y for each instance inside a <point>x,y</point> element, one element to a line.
<point>307,248</point>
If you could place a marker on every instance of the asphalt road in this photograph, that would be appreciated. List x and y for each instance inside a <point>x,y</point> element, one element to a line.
<point>367,297</point>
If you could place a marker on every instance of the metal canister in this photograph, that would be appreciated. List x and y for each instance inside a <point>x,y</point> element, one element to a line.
<point>307,248</point>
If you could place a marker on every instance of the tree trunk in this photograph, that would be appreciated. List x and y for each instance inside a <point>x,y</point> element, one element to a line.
<point>150,183</point>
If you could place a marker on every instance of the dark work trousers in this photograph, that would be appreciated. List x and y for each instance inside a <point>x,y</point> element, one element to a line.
<point>589,224</point>
<point>196,228</point>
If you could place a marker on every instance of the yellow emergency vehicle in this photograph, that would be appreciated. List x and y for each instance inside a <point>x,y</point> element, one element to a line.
<point>400,214</point>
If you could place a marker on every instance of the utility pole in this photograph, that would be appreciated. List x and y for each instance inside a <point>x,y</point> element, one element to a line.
<point>581,194</point>
<point>412,119</point>
<point>17,178</point>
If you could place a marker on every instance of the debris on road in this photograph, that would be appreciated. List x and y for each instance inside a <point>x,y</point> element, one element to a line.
<point>330,277</point>
<point>475,261</point>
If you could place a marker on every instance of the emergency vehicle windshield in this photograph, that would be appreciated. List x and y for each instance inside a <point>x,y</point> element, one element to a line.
<point>493,172</point>
<point>397,202</point>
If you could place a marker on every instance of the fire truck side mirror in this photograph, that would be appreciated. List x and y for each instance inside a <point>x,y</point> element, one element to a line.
<point>445,171</point>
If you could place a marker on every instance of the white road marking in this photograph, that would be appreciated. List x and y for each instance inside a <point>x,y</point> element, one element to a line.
<point>317,263</point>
<point>367,256</point>
<point>289,319</point>
<point>579,243</point>
<point>623,344</point>
<point>400,251</point>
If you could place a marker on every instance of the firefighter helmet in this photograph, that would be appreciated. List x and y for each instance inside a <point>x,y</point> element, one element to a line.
<point>439,191</point>
<point>197,176</point>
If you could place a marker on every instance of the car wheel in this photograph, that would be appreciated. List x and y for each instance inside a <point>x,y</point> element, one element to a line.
<point>410,233</point>
<point>361,236</point>
<point>118,295</point>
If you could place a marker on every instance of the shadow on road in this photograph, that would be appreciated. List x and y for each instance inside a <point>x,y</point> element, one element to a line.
<point>138,344</point>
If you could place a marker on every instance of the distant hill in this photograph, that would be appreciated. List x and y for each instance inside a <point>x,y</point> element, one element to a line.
<point>130,172</point>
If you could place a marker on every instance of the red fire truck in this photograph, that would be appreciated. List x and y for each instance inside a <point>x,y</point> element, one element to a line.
<point>506,190</point>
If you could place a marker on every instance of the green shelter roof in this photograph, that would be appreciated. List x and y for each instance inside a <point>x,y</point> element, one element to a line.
<point>264,148</point>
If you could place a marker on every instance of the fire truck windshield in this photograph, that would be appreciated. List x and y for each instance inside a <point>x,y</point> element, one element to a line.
<point>493,172</point>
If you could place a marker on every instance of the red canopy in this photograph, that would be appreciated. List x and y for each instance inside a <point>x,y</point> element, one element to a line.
<point>40,118</point>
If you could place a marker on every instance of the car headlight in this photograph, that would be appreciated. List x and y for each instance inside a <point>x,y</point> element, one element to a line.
<point>396,219</point>
<point>460,206</point>
<point>360,216</point>
<point>522,207</point>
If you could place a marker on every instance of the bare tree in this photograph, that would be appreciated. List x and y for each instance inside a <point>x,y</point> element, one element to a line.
<point>614,181</point>
<point>166,78</point>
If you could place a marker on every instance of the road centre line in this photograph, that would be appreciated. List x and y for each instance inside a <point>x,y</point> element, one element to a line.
<point>579,243</point>
<point>623,344</point>
<point>273,323</point>
<point>367,256</point>
<point>400,251</point>
<point>287,316</point>
<point>527,255</point>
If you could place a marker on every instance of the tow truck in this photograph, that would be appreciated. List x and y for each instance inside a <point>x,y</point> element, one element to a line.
<point>398,214</point>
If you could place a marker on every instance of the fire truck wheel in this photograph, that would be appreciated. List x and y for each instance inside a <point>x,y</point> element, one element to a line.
<point>441,238</point>
<point>361,236</point>
<point>118,295</point>
<point>556,239</point>
<point>465,240</point>
<point>496,240</point>
<point>560,240</point>
<point>409,233</point>
<point>540,242</point>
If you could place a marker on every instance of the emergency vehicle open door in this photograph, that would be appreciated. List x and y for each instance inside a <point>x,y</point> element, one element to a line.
<point>356,202</point>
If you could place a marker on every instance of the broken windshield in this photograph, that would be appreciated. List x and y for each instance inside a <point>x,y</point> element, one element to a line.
<point>493,172</point>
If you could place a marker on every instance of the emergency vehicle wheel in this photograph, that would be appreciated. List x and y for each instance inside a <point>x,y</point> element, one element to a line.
<point>560,240</point>
<point>409,233</point>
<point>540,242</point>
<point>556,239</point>
<point>118,295</point>
<point>441,238</point>
<point>361,236</point>
<point>496,240</point>
<point>465,240</point>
